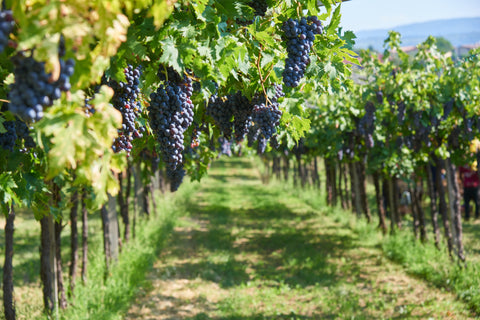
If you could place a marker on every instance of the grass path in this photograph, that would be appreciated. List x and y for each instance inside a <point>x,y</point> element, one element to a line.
<point>249,251</point>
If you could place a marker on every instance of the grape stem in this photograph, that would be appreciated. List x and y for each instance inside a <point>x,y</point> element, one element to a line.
<point>262,79</point>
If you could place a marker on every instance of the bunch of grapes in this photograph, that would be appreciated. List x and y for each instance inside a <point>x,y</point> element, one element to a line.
<point>7,139</point>
<point>126,100</point>
<point>33,89</point>
<point>23,133</point>
<point>266,117</point>
<point>221,111</point>
<point>366,125</point>
<point>447,109</point>
<point>170,114</point>
<point>6,26</point>
<point>260,7</point>
<point>16,130</point>
<point>401,112</point>
<point>299,36</point>
<point>242,115</point>
<point>274,142</point>
<point>422,132</point>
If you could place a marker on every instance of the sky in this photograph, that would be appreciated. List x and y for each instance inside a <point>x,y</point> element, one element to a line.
<point>358,15</point>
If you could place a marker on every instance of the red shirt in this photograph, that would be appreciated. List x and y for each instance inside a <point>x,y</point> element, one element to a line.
<point>470,177</point>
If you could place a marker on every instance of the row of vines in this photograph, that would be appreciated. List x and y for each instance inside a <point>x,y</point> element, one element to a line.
<point>407,124</point>
<point>94,91</point>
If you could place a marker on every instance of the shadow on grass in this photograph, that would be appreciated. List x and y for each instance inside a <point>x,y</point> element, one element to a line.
<point>276,248</point>
<point>473,232</point>
<point>26,256</point>
<point>290,316</point>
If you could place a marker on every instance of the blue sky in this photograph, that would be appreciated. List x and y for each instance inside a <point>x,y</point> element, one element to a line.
<point>360,15</point>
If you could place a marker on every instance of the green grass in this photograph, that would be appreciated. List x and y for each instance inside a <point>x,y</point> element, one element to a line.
<point>252,251</point>
<point>99,298</point>
<point>243,250</point>
<point>435,266</point>
<point>110,299</point>
<point>424,261</point>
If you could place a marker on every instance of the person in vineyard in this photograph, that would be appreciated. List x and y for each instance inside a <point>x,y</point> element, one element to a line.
<point>470,182</point>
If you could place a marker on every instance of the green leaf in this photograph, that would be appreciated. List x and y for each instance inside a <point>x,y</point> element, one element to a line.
<point>335,21</point>
<point>330,70</point>
<point>312,7</point>
<point>266,59</point>
<point>170,54</point>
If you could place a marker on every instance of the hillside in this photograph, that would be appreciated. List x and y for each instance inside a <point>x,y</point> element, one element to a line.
<point>459,32</point>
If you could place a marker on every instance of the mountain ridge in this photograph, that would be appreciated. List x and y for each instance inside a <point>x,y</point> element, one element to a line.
<point>459,31</point>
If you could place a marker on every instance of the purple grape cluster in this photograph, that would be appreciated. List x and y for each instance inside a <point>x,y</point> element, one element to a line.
<point>242,115</point>
<point>33,89</point>
<point>232,114</point>
<point>23,134</point>
<point>126,100</point>
<point>6,26</point>
<point>221,111</point>
<point>299,37</point>
<point>260,7</point>
<point>447,109</point>
<point>16,131</point>
<point>366,124</point>
<point>265,117</point>
<point>8,138</point>
<point>421,132</point>
<point>401,112</point>
<point>170,114</point>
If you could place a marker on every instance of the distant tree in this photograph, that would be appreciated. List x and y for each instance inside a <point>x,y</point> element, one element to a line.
<point>444,45</point>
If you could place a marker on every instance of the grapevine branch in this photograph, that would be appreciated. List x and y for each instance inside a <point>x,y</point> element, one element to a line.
<point>262,80</point>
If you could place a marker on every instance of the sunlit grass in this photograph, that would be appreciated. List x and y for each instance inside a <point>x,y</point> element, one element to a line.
<point>244,250</point>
